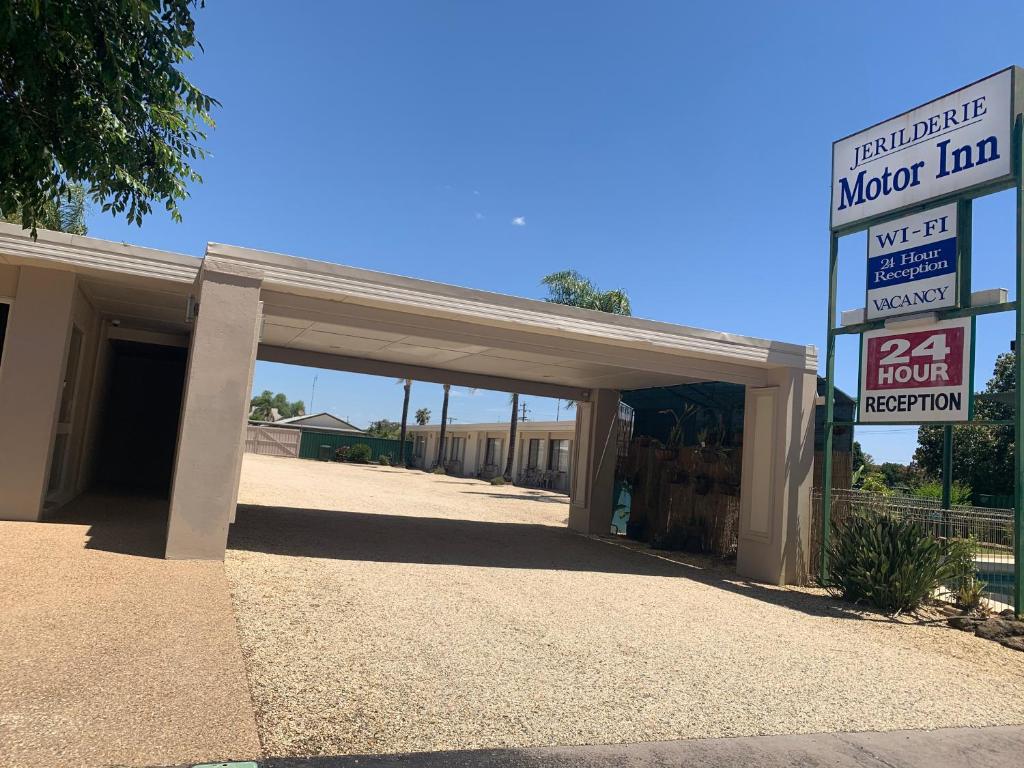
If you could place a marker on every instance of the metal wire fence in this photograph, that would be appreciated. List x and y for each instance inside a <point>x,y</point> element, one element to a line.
<point>989,530</point>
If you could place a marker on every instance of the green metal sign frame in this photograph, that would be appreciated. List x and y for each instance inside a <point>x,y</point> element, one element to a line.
<point>964,224</point>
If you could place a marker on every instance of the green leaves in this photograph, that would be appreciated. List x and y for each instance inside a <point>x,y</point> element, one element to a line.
<point>892,564</point>
<point>267,406</point>
<point>571,288</point>
<point>982,456</point>
<point>91,92</point>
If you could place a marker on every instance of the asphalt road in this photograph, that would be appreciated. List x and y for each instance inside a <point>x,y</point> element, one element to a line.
<point>959,747</point>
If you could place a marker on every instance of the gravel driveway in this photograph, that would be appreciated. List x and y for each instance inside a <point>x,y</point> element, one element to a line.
<point>384,610</point>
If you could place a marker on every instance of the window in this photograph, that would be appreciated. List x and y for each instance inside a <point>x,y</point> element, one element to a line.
<point>558,456</point>
<point>492,457</point>
<point>533,454</point>
<point>5,311</point>
<point>454,448</point>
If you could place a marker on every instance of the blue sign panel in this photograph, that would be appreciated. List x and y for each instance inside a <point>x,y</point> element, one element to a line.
<point>912,264</point>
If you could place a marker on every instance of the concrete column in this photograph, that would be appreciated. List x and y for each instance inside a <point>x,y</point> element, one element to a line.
<point>775,494</point>
<point>591,502</point>
<point>517,457</point>
<point>242,434</point>
<point>471,461</point>
<point>31,379</point>
<point>214,410</point>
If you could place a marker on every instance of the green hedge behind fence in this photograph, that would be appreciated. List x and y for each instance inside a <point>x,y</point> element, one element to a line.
<point>309,447</point>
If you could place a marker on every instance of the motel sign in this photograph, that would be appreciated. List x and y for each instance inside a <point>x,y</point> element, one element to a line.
<point>911,182</point>
<point>917,375</point>
<point>957,142</point>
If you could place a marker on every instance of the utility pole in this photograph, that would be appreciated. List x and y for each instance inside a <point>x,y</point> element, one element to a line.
<point>312,395</point>
<point>523,417</point>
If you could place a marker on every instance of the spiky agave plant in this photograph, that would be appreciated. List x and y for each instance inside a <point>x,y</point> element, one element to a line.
<point>889,563</point>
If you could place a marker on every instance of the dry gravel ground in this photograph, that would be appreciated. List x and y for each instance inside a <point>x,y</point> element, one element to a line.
<point>432,613</point>
<point>110,655</point>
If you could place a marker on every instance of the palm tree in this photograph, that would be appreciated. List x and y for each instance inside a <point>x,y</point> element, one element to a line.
<point>266,403</point>
<point>262,406</point>
<point>569,405</point>
<point>423,416</point>
<point>513,425</point>
<point>407,386</point>
<point>444,426</point>
<point>571,288</point>
<point>65,213</point>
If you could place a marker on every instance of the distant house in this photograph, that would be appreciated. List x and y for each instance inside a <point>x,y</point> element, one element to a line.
<point>321,422</point>
<point>542,457</point>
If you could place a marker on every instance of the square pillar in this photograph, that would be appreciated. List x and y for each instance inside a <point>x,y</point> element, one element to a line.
<point>248,388</point>
<point>471,462</point>
<point>214,410</point>
<point>775,493</point>
<point>593,467</point>
<point>31,382</point>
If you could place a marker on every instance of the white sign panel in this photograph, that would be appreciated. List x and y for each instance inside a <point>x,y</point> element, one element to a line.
<point>951,144</point>
<point>912,265</point>
<point>917,375</point>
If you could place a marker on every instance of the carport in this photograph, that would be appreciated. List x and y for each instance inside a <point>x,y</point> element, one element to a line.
<point>237,305</point>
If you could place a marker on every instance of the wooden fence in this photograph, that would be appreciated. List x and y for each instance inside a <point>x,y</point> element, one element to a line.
<point>272,441</point>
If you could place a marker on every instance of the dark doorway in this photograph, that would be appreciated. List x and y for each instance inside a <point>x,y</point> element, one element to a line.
<point>140,418</point>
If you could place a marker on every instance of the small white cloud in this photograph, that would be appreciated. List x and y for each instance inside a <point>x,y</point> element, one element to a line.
<point>519,221</point>
<point>476,191</point>
<point>478,216</point>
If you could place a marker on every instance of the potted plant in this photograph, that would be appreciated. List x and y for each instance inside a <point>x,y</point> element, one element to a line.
<point>709,446</point>
<point>675,436</point>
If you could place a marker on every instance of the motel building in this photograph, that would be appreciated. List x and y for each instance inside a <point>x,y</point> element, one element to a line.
<point>542,457</point>
<point>93,333</point>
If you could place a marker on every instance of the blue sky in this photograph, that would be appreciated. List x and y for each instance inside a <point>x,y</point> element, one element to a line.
<point>678,150</point>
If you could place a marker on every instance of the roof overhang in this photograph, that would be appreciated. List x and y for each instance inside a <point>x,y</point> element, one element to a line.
<point>315,309</point>
<point>333,316</point>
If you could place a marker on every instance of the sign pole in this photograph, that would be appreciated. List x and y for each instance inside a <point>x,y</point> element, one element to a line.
<point>947,469</point>
<point>1018,413</point>
<point>830,384</point>
<point>963,239</point>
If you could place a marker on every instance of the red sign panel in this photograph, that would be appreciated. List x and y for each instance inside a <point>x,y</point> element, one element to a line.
<point>916,359</point>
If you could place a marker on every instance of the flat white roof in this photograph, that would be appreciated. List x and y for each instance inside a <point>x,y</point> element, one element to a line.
<point>567,425</point>
<point>329,315</point>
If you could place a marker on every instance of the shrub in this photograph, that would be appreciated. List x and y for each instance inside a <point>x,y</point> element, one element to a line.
<point>384,460</point>
<point>958,492</point>
<point>875,483</point>
<point>360,453</point>
<point>341,454</point>
<point>971,594</point>
<point>962,580</point>
<point>439,470</point>
<point>888,563</point>
<point>497,480</point>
